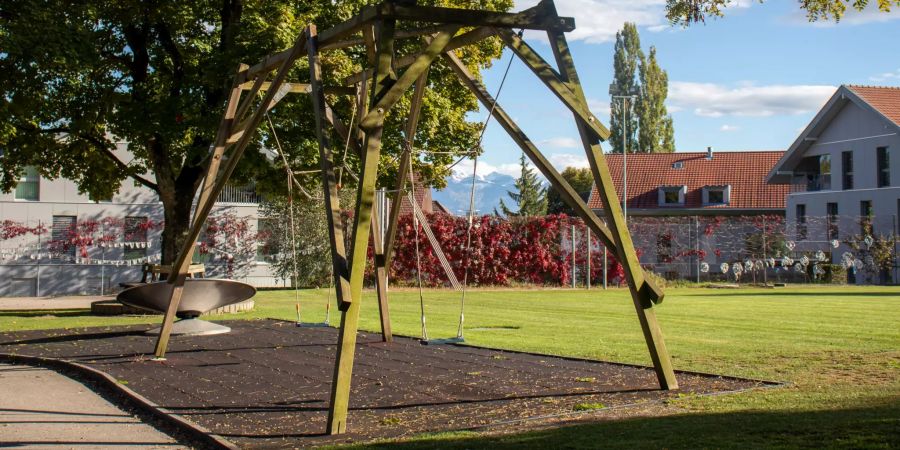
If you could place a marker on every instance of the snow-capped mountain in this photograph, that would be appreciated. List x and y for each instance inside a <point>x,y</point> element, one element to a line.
<point>489,189</point>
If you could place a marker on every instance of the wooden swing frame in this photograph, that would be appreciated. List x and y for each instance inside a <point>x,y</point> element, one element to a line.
<point>377,89</point>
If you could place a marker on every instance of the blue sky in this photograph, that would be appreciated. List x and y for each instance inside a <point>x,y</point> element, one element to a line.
<point>749,81</point>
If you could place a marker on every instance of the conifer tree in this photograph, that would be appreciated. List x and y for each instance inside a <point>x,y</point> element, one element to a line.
<point>531,197</point>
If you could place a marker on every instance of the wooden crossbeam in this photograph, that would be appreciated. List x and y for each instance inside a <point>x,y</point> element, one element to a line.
<point>303,88</point>
<point>535,18</point>
<point>467,38</point>
<point>518,136</point>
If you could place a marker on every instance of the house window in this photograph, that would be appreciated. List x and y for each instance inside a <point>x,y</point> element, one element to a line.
<point>865,217</point>
<point>801,221</point>
<point>832,210</point>
<point>672,195</point>
<point>884,167</point>
<point>825,172</point>
<point>29,186</point>
<point>716,195</point>
<point>664,248</point>
<point>847,170</point>
<point>61,236</point>
<point>135,238</point>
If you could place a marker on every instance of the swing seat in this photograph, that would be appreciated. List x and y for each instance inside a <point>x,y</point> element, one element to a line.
<point>313,324</point>
<point>445,341</point>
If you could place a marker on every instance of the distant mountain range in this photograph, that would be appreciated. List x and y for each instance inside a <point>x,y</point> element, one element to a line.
<point>489,189</point>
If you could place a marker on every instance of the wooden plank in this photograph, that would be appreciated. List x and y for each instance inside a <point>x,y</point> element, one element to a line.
<point>462,40</point>
<point>553,81</point>
<point>386,100</point>
<point>346,347</point>
<point>340,268</point>
<point>348,27</point>
<point>535,18</point>
<point>615,219</point>
<point>399,34</point>
<point>339,127</point>
<point>187,250</point>
<point>381,281</point>
<point>529,148</point>
<point>304,88</point>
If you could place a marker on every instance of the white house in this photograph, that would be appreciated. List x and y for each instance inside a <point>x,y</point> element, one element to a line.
<point>31,266</point>
<point>846,163</point>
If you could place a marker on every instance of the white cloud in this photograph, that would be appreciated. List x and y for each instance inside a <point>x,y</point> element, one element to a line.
<point>599,107</point>
<point>715,100</point>
<point>563,160</point>
<point>598,20</point>
<point>727,127</point>
<point>559,142</point>
<point>886,76</point>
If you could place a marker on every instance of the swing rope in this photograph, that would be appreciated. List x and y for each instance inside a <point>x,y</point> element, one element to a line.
<point>419,216</point>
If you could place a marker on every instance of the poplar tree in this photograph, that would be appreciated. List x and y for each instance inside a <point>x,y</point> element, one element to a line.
<point>625,62</point>
<point>531,195</point>
<point>655,129</point>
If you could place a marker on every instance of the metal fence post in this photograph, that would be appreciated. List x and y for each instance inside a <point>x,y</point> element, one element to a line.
<point>574,266</point>
<point>587,279</point>
<point>604,267</point>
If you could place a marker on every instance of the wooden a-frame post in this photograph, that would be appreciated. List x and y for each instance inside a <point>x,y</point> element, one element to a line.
<point>375,27</point>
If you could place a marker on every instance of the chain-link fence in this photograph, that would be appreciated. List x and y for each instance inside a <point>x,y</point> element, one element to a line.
<point>759,248</point>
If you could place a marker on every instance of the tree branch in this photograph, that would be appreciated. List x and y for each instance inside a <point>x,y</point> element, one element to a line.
<point>99,144</point>
<point>168,44</point>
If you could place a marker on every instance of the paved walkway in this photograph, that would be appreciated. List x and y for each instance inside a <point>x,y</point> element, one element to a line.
<point>67,302</point>
<point>40,408</point>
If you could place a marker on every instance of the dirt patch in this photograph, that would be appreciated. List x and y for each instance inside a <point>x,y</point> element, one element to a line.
<point>267,383</point>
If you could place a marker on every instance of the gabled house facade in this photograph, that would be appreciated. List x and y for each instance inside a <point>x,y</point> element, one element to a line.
<point>690,212</point>
<point>846,168</point>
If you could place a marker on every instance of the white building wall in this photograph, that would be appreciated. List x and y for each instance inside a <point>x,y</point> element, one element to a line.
<point>24,272</point>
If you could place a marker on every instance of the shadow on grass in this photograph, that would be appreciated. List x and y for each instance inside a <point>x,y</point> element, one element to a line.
<point>877,426</point>
<point>780,293</point>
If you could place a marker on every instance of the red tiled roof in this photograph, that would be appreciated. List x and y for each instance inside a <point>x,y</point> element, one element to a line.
<point>745,172</point>
<point>885,99</point>
<point>423,199</point>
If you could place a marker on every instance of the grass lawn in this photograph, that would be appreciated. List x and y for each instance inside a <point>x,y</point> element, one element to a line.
<point>838,347</point>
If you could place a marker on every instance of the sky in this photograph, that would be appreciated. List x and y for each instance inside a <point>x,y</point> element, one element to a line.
<point>751,80</point>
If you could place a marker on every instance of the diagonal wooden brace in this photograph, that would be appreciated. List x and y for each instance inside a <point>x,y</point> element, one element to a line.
<point>519,137</point>
<point>329,180</point>
<point>387,99</point>
<point>553,81</point>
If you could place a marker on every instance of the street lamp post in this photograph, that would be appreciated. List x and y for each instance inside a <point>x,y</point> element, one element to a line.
<point>614,90</point>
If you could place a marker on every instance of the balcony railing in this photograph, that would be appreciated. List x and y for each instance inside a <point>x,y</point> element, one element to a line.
<point>810,183</point>
<point>238,194</point>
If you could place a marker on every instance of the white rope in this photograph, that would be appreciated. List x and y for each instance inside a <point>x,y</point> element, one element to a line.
<point>445,263</point>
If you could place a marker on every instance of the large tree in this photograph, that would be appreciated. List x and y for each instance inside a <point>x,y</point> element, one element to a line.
<point>530,194</point>
<point>685,12</point>
<point>581,180</point>
<point>655,129</point>
<point>625,70</point>
<point>79,76</point>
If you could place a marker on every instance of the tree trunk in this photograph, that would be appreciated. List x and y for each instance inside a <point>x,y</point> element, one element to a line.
<point>177,213</point>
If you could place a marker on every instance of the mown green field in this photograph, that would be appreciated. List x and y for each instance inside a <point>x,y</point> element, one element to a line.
<point>838,347</point>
